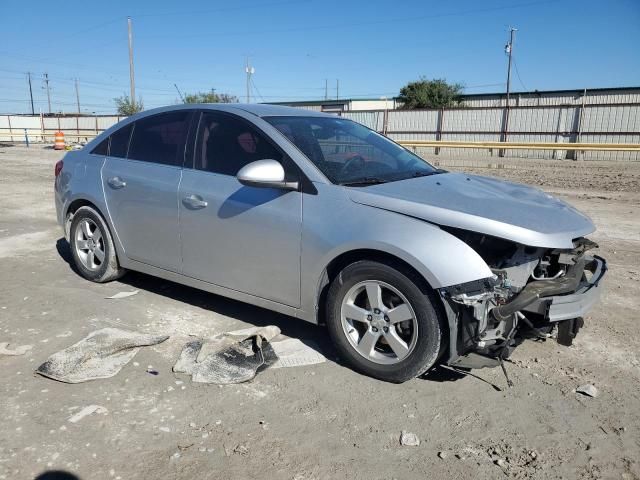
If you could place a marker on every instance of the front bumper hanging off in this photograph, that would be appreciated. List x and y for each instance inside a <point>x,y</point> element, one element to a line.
<point>562,301</point>
<point>577,303</point>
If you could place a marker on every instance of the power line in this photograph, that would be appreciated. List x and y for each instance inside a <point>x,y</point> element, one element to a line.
<point>515,65</point>
<point>256,89</point>
<point>218,10</point>
<point>334,26</point>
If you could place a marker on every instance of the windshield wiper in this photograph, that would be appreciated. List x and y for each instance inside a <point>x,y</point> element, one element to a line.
<point>363,181</point>
<point>428,174</point>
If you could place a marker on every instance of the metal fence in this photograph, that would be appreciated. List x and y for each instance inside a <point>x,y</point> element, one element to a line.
<point>589,123</point>
<point>613,123</point>
<point>41,128</point>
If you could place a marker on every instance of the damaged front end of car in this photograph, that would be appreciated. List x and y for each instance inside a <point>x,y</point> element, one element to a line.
<point>534,293</point>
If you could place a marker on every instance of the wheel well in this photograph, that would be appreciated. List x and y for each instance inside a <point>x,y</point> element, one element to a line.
<point>81,202</point>
<point>73,208</point>
<point>343,260</point>
<point>347,258</point>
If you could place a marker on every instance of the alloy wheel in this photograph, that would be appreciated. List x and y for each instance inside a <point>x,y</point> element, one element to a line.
<point>379,322</point>
<point>89,244</point>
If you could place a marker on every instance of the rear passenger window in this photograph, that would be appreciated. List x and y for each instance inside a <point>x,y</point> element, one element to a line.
<point>102,148</point>
<point>120,142</point>
<point>160,138</point>
<point>225,144</point>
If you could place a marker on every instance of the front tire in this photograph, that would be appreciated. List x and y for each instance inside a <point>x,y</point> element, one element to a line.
<point>383,321</point>
<point>92,249</point>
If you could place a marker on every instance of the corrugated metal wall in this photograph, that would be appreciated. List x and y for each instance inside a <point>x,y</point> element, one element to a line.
<point>562,124</point>
<point>631,95</point>
<point>615,123</point>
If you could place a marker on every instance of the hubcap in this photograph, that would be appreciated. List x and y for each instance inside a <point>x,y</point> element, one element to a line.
<point>89,244</point>
<point>379,322</point>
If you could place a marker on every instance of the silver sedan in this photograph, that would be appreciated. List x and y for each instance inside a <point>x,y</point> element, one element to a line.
<point>320,218</point>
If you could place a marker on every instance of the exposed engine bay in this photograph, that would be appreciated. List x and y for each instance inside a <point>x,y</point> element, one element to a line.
<point>533,293</point>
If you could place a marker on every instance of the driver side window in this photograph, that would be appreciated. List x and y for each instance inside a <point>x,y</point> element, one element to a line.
<point>225,144</point>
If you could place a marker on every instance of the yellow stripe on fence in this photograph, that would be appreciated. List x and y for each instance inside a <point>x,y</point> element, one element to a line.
<point>617,147</point>
<point>612,147</point>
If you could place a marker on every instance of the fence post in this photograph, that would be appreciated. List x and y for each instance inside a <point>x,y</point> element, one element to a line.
<point>581,111</point>
<point>439,129</point>
<point>385,121</point>
<point>505,128</point>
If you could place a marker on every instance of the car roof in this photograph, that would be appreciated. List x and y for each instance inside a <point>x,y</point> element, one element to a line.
<point>257,109</point>
<point>262,110</point>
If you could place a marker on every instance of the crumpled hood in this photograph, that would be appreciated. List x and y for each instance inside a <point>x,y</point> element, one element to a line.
<point>502,209</point>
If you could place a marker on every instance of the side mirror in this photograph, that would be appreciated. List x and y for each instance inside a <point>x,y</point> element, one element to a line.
<point>265,174</point>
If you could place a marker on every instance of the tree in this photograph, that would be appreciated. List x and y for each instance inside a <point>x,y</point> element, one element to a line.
<point>210,97</point>
<point>425,93</point>
<point>128,107</point>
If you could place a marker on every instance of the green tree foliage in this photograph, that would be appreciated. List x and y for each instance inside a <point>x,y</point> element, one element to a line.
<point>126,106</point>
<point>210,97</point>
<point>425,93</point>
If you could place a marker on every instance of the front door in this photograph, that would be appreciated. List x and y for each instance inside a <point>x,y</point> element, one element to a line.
<point>141,188</point>
<point>242,238</point>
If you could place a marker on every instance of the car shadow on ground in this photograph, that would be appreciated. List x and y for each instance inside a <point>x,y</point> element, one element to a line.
<point>56,475</point>
<point>314,336</point>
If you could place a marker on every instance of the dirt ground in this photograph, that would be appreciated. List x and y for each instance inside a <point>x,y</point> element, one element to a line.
<point>315,422</point>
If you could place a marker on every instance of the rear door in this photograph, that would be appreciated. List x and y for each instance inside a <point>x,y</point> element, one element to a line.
<point>239,237</point>
<point>140,181</point>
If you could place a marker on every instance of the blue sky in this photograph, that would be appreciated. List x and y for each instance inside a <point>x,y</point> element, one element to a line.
<point>374,47</point>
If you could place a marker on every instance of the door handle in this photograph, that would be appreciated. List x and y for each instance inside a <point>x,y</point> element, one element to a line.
<point>194,202</point>
<point>116,182</point>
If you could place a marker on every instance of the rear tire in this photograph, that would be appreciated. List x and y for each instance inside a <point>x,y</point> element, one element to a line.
<point>397,335</point>
<point>92,249</point>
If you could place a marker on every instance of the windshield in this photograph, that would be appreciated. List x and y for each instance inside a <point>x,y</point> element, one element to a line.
<point>349,153</point>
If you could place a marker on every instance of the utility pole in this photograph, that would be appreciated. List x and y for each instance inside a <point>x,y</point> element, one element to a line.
<point>326,89</point>
<point>77,96</point>
<point>131,74</point>
<point>250,71</point>
<point>508,48</point>
<point>337,89</point>
<point>509,51</point>
<point>179,92</point>
<point>46,82</point>
<point>33,111</point>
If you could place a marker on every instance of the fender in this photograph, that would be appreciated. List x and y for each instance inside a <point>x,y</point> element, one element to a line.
<point>442,259</point>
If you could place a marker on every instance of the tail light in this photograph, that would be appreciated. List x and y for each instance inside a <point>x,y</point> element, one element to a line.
<point>58,168</point>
